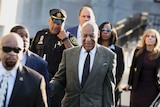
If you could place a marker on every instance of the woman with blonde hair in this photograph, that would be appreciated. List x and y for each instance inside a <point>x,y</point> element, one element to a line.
<point>144,70</point>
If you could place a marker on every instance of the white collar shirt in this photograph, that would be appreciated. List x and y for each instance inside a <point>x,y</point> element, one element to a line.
<point>11,80</point>
<point>111,47</point>
<point>79,36</point>
<point>82,57</point>
<point>24,58</point>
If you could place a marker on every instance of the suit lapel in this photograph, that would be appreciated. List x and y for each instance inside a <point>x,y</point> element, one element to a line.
<point>99,62</point>
<point>74,64</point>
<point>29,60</point>
<point>18,83</point>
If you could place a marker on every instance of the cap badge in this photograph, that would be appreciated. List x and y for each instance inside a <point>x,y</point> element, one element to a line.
<point>59,15</point>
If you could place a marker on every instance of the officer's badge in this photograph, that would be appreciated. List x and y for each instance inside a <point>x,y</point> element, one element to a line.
<point>41,40</point>
<point>46,33</point>
<point>73,41</point>
<point>59,15</point>
<point>59,43</point>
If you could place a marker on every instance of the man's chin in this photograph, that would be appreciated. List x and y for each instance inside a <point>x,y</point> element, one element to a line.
<point>10,64</point>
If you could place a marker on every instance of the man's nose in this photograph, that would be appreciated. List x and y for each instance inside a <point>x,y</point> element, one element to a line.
<point>88,38</point>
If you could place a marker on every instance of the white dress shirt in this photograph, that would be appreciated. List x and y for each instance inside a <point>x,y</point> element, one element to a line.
<point>79,36</point>
<point>82,57</point>
<point>11,80</point>
<point>24,58</point>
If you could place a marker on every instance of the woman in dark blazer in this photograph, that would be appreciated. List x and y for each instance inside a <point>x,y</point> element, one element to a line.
<point>108,38</point>
<point>143,77</point>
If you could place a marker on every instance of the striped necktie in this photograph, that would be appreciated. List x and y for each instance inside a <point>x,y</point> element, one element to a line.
<point>3,88</point>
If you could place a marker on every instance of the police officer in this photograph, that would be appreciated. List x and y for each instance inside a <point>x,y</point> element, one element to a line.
<point>50,43</point>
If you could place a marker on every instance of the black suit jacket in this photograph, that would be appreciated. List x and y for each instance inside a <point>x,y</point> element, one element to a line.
<point>38,64</point>
<point>120,63</point>
<point>29,89</point>
<point>136,68</point>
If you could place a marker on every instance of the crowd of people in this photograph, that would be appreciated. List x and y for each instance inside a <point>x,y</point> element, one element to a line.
<point>81,66</point>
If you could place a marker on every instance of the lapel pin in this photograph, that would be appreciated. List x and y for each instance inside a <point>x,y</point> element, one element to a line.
<point>21,78</point>
<point>104,64</point>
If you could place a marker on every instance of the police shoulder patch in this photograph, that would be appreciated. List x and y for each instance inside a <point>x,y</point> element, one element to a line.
<point>73,40</point>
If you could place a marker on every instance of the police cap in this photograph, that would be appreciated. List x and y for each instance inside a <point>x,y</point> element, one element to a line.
<point>58,15</point>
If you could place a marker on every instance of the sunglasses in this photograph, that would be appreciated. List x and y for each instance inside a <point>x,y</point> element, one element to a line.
<point>57,21</point>
<point>7,49</point>
<point>106,29</point>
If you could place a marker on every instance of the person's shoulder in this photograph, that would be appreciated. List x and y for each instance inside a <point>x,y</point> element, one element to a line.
<point>118,47</point>
<point>71,28</point>
<point>29,72</point>
<point>73,49</point>
<point>43,31</point>
<point>36,58</point>
<point>73,39</point>
<point>137,49</point>
<point>105,49</point>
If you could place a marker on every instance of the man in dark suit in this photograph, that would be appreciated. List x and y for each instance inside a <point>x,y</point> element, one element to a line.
<point>30,59</point>
<point>26,87</point>
<point>85,14</point>
<point>98,88</point>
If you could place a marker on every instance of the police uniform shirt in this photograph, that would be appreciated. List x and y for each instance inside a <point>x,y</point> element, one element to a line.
<point>50,46</point>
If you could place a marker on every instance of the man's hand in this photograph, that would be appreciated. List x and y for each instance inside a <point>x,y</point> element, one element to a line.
<point>63,34</point>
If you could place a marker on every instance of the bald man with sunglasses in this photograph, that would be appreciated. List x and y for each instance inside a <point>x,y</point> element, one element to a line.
<point>30,59</point>
<point>26,87</point>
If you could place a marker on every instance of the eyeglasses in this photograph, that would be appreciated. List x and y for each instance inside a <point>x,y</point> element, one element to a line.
<point>7,49</point>
<point>106,29</point>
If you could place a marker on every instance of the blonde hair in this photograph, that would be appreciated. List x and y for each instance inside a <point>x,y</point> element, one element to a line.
<point>156,51</point>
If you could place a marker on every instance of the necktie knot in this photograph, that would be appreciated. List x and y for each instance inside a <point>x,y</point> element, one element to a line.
<point>7,74</point>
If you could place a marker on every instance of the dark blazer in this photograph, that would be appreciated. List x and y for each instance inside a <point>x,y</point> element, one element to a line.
<point>136,68</point>
<point>120,63</point>
<point>73,30</point>
<point>38,64</point>
<point>98,90</point>
<point>29,89</point>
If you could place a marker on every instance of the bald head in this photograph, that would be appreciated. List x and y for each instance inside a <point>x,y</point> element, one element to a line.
<point>11,50</point>
<point>12,38</point>
<point>86,14</point>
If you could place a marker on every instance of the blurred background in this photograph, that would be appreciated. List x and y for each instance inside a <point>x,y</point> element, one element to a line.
<point>130,18</point>
<point>34,13</point>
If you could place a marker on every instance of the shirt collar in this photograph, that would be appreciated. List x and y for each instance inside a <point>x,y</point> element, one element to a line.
<point>12,71</point>
<point>79,27</point>
<point>93,51</point>
<point>111,47</point>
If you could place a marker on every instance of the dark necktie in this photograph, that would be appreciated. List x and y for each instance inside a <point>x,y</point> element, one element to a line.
<point>3,89</point>
<point>86,70</point>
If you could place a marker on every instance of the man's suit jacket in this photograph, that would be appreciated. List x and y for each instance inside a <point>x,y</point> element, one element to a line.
<point>29,89</point>
<point>38,64</point>
<point>73,30</point>
<point>98,90</point>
